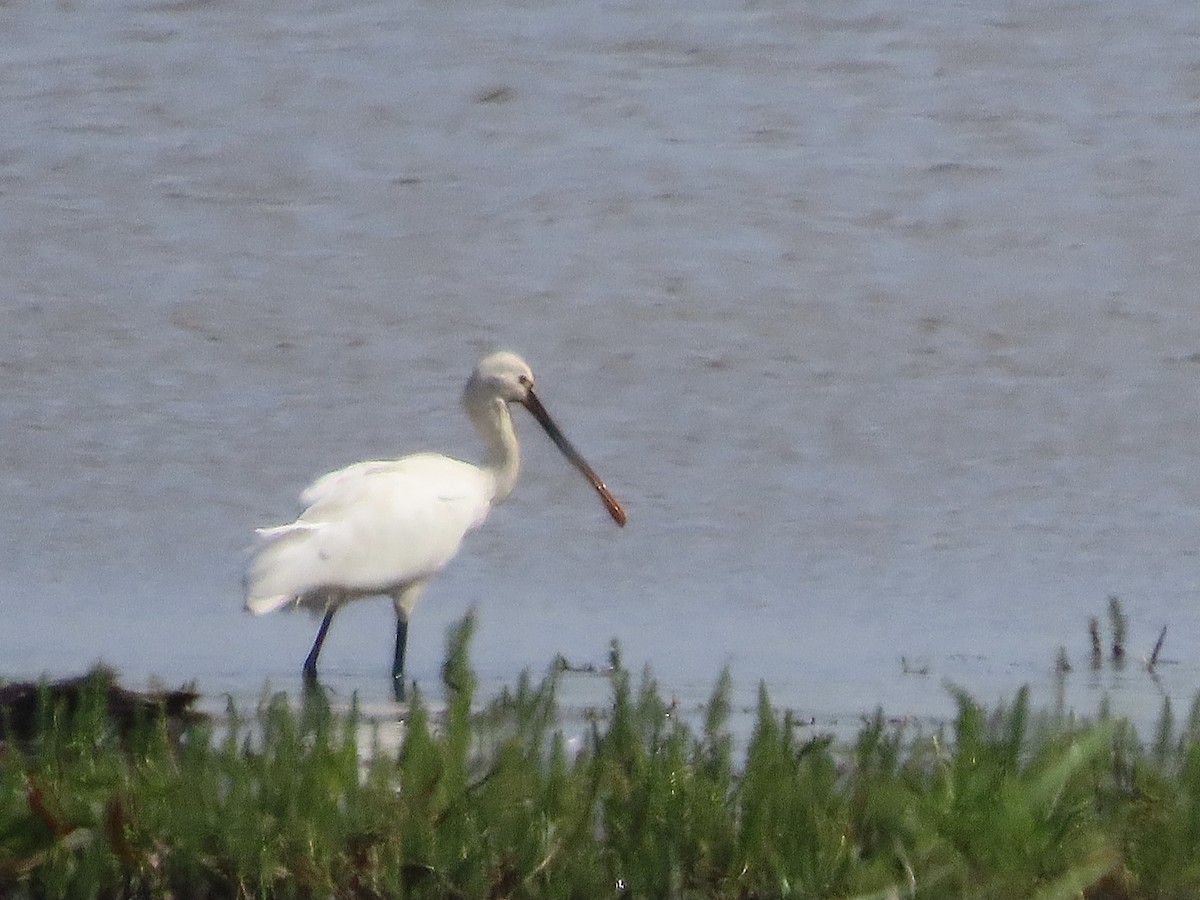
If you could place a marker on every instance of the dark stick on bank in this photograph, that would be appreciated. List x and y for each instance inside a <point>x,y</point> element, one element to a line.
<point>21,703</point>
<point>1120,626</point>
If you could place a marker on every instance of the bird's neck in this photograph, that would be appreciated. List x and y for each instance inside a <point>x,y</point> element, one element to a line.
<point>502,455</point>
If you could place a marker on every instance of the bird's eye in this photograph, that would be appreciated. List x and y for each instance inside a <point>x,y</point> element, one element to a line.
<point>525,381</point>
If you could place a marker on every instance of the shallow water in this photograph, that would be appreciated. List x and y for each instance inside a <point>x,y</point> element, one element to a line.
<point>882,322</point>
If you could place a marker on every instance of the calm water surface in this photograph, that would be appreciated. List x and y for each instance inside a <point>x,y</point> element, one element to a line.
<point>881,319</point>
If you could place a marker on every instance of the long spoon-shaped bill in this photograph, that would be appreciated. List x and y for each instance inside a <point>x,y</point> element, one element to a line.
<point>534,405</point>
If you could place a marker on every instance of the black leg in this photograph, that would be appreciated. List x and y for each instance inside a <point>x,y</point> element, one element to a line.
<point>310,664</point>
<point>398,659</point>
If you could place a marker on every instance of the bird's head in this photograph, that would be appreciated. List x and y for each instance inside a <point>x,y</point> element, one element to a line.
<point>504,376</point>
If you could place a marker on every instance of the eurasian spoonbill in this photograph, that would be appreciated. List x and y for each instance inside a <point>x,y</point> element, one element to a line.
<point>384,527</point>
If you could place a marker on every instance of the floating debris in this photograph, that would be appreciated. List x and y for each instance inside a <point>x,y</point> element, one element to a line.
<point>1162,636</point>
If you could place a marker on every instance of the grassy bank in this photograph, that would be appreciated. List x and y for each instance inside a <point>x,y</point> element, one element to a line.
<point>487,801</point>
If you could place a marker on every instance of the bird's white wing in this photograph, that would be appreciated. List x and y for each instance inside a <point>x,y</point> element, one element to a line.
<point>371,527</point>
<point>331,483</point>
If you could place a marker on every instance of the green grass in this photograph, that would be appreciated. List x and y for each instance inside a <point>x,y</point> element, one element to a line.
<point>486,800</point>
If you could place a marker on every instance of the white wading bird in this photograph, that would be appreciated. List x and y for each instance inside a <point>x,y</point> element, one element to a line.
<point>384,527</point>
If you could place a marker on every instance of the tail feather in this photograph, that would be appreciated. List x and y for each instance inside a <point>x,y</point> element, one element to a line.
<point>261,605</point>
<point>275,531</point>
<point>284,569</point>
